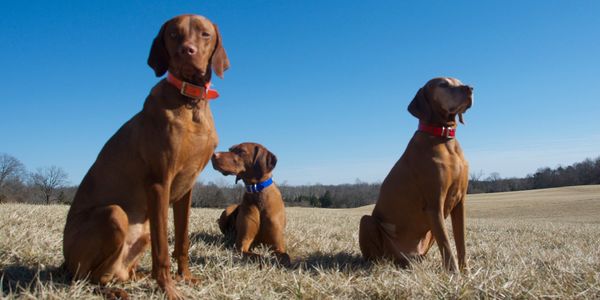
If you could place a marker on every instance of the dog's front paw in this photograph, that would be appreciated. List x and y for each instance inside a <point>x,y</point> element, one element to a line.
<point>171,292</point>
<point>188,278</point>
<point>112,293</point>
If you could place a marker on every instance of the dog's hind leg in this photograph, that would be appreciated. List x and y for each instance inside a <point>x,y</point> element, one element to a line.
<point>377,242</point>
<point>227,220</point>
<point>369,238</point>
<point>94,249</point>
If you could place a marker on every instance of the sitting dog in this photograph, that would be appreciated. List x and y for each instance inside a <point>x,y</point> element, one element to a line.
<point>427,184</point>
<point>260,218</point>
<point>122,204</point>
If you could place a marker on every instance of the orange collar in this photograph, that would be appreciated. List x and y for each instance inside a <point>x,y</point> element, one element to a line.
<point>191,90</point>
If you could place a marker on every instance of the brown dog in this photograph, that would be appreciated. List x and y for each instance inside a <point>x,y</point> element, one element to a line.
<point>427,184</point>
<point>260,218</point>
<point>152,161</point>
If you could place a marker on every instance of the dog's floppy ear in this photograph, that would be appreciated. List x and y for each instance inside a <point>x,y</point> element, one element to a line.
<point>264,161</point>
<point>420,107</point>
<point>219,60</point>
<point>158,59</point>
<point>270,161</point>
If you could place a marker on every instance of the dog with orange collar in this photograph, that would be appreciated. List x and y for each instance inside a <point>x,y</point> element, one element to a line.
<point>121,207</point>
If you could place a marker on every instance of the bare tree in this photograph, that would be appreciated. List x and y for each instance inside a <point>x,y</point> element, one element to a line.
<point>47,180</point>
<point>10,169</point>
<point>476,176</point>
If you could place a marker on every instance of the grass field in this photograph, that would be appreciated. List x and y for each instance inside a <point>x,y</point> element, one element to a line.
<point>533,244</point>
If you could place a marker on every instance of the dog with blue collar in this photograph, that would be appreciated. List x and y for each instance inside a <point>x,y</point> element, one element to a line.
<point>260,217</point>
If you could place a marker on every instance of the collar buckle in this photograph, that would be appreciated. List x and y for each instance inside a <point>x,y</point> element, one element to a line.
<point>192,90</point>
<point>442,131</point>
<point>448,132</point>
<point>252,188</point>
<point>258,187</point>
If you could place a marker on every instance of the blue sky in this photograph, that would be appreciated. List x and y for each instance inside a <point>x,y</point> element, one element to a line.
<point>323,84</point>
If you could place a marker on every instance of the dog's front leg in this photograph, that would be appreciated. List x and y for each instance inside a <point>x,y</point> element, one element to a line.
<point>458,228</point>
<point>158,212</point>
<point>436,222</point>
<point>181,217</point>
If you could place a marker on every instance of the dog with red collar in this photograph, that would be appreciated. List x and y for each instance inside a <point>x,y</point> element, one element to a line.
<point>428,184</point>
<point>260,218</point>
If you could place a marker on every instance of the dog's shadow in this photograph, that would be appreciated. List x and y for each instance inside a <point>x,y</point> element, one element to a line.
<point>341,261</point>
<point>213,239</point>
<point>17,279</point>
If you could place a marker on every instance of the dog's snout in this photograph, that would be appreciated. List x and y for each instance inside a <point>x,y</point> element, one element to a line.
<point>468,89</point>
<point>188,50</point>
<point>215,156</point>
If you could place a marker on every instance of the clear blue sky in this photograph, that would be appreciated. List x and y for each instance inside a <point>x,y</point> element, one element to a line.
<point>323,84</point>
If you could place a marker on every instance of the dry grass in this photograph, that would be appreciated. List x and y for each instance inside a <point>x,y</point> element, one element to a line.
<point>536,244</point>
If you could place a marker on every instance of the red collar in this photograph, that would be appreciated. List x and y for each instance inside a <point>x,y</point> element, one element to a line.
<point>447,132</point>
<point>193,91</point>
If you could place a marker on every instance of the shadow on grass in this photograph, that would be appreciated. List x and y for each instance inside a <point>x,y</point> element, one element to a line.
<point>341,261</point>
<point>17,279</point>
<point>213,239</point>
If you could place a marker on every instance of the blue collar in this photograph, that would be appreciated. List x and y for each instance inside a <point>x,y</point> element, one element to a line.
<point>257,188</point>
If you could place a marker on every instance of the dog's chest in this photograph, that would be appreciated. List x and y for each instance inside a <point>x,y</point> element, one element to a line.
<point>192,162</point>
<point>458,185</point>
<point>193,145</point>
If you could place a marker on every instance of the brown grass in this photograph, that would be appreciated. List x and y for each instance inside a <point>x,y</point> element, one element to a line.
<point>534,244</point>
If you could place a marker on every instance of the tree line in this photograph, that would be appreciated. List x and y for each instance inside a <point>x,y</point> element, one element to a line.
<point>580,173</point>
<point>49,185</point>
<point>44,185</point>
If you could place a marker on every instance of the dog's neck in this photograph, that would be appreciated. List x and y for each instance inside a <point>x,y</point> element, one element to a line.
<point>176,94</point>
<point>441,120</point>
<point>447,132</point>
<point>193,92</point>
<point>257,186</point>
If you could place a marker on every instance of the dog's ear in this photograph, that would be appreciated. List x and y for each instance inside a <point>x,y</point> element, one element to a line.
<point>460,118</point>
<point>264,161</point>
<point>158,59</point>
<point>219,60</point>
<point>420,107</point>
<point>270,161</point>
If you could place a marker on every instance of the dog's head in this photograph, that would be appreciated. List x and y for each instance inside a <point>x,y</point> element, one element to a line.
<point>440,100</point>
<point>188,46</point>
<point>250,162</point>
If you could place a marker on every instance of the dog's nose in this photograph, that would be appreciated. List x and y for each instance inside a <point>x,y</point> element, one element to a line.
<point>188,50</point>
<point>468,89</point>
<point>215,155</point>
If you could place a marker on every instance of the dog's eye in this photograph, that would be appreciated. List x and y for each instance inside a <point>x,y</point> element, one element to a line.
<point>236,151</point>
<point>174,35</point>
<point>205,34</point>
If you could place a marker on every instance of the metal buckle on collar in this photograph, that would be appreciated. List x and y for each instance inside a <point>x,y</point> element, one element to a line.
<point>447,132</point>
<point>183,91</point>
<point>252,188</point>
